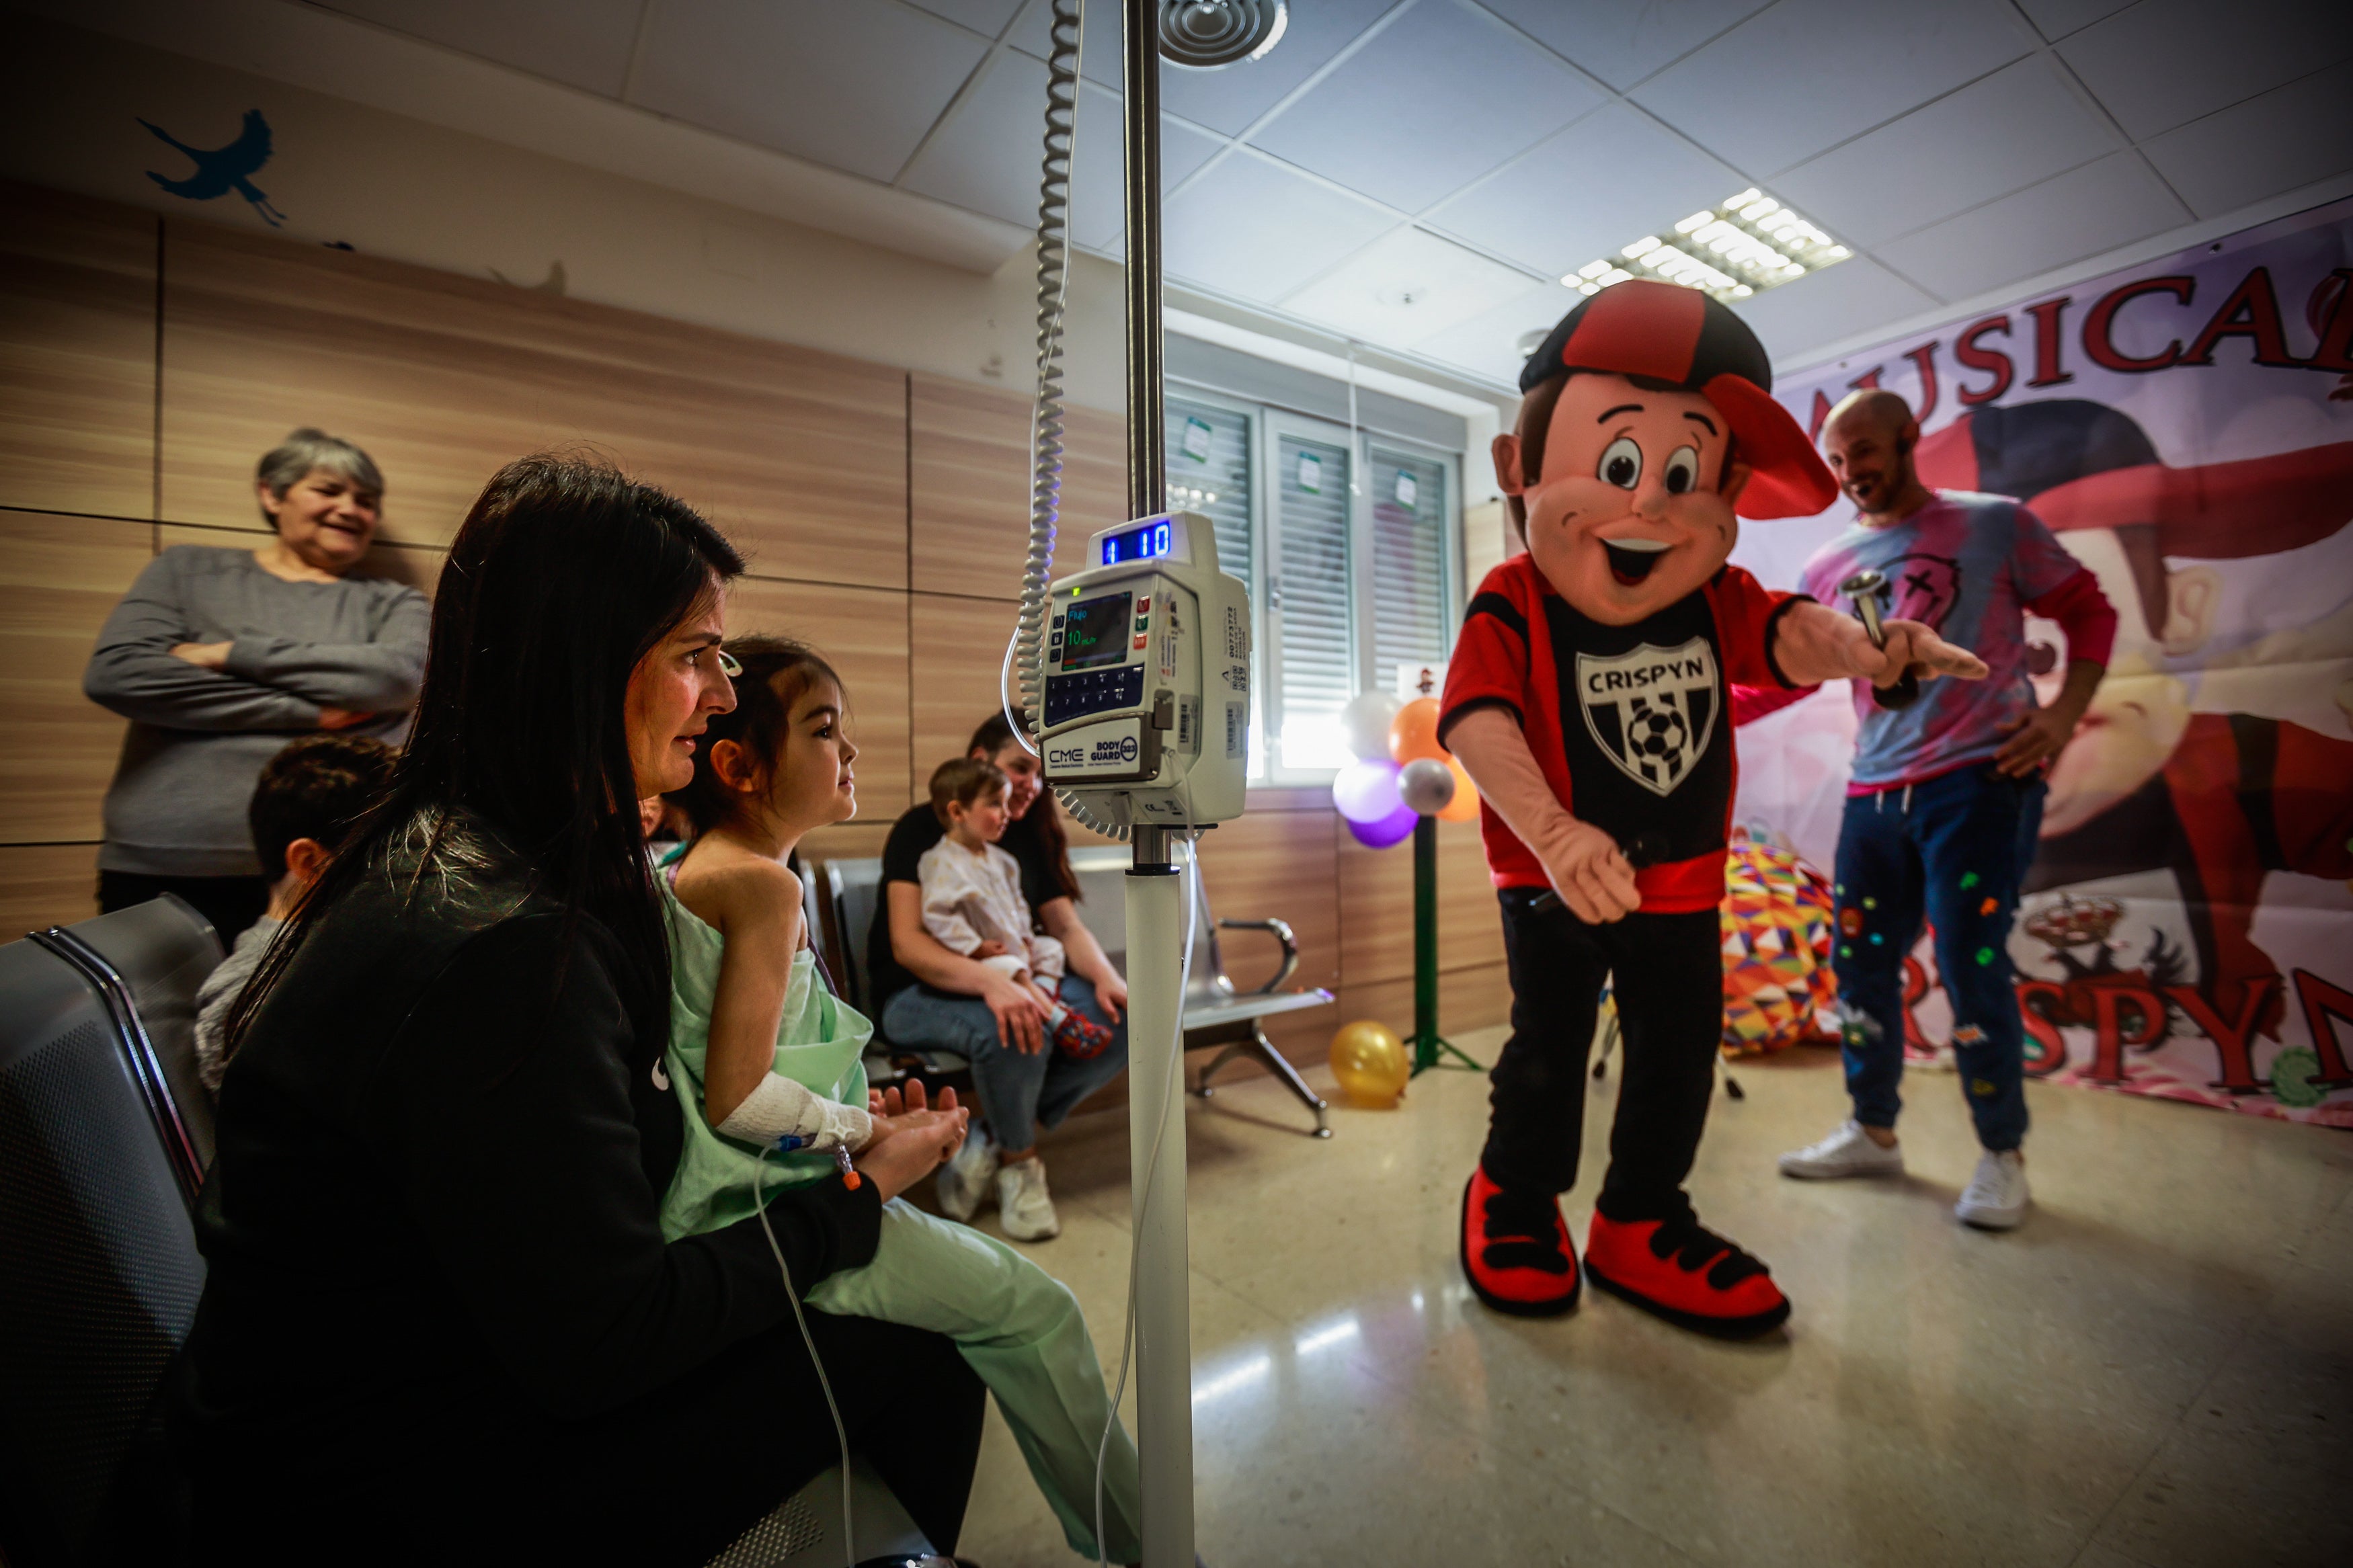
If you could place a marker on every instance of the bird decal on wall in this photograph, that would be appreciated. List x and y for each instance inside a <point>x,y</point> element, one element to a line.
<point>224,169</point>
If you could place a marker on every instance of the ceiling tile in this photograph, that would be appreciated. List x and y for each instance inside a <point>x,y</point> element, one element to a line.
<point>1406,286</point>
<point>2165,62</point>
<point>1607,180</point>
<point>2021,124</point>
<point>987,154</point>
<point>1034,35</point>
<point>1807,73</point>
<point>2057,18</point>
<point>1439,97</point>
<point>1253,229</point>
<point>854,86</point>
<point>1856,296</point>
<point>988,17</point>
<point>1488,343</point>
<point>2290,136</point>
<point>2081,213</point>
<point>1619,43</point>
<point>583,42</point>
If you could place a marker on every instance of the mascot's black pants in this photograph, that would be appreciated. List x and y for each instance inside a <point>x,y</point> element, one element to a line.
<point>1668,974</point>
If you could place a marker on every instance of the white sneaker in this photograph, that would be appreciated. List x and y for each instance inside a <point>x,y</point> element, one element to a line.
<point>1849,1152</point>
<point>964,1180</point>
<point>1022,1204</point>
<point>1996,1195</point>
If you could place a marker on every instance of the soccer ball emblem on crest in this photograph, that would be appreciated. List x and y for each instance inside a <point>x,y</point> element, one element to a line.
<point>1651,709</point>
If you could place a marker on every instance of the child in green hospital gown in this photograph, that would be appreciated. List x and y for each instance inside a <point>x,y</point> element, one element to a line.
<point>768,1059</point>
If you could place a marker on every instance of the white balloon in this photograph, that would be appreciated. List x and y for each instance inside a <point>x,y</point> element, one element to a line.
<point>1426,784</point>
<point>1366,723</point>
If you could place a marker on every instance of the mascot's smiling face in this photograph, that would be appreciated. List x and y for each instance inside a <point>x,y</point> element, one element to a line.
<point>1632,509</point>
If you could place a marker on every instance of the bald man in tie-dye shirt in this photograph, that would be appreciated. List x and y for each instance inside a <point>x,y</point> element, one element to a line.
<point>1946,792</point>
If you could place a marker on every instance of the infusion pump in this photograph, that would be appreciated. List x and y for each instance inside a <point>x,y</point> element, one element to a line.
<point>1146,672</point>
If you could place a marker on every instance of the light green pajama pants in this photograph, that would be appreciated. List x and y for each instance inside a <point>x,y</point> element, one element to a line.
<point>1021,1330</point>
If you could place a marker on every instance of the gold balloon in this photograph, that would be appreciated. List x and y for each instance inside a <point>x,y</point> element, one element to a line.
<point>1370,1062</point>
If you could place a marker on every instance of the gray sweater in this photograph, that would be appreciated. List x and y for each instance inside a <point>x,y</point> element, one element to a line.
<point>198,738</point>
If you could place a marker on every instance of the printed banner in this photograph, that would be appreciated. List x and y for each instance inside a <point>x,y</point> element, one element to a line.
<point>2186,428</point>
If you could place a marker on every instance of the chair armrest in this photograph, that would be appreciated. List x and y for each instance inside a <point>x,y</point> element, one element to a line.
<point>1280,931</point>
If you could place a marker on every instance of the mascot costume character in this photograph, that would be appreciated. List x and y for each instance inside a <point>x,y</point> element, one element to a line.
<point>1587,697</point>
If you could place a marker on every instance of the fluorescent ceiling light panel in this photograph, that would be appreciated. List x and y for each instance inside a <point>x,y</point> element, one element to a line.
<point>1739,247</point>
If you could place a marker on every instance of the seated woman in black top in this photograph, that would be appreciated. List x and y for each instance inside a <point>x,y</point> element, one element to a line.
<point>440,1323</point>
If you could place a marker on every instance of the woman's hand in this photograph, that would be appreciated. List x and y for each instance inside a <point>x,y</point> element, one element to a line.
<point>1019,1010</point>
<point>342,718</point>
<point>1112,995</point>
<point>910,1145</point>
<point>204,655</point>
<point>989,950</point>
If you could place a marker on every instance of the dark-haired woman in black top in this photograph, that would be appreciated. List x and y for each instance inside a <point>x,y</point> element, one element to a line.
<point>440,1323</point>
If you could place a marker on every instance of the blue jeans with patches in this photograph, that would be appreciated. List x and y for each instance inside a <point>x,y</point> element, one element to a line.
<point>1951,851</point>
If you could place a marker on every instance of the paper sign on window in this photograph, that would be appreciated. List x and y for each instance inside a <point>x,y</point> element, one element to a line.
<point>1196,439</point>
<point>1407,491</point>
<point>1311,473</point>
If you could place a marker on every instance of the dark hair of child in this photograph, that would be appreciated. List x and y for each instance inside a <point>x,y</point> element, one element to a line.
<point>962,781</point>
<point>315,788</point>
<point>777,673</point>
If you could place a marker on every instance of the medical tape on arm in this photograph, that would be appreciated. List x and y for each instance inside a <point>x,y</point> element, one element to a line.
<point>779,1108</point>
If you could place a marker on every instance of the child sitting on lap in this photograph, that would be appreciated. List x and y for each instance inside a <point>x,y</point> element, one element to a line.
<point>772,1063</point>
<point>973,902</point>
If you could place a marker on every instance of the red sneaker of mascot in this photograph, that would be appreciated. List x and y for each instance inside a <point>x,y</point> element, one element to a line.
<point>1587,698</point>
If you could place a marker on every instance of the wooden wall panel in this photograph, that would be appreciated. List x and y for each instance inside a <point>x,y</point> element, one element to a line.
<point>862,632</point>
<point>799,456</point>
<point>968,496</point>
<point>1468,999</point>
<point>44,885</point>
<point>77,355</point>
<point>1282,864</point>
<point>59,579</point>
<point>955,648</point>
<point>1377,907</point>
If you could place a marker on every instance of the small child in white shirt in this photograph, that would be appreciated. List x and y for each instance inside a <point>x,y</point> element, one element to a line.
<point>973,902</point>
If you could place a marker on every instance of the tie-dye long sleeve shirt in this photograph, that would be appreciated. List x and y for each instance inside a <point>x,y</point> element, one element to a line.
<point>1970,567</point>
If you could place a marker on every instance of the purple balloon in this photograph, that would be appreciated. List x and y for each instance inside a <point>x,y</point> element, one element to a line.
<point>1395,828</point>
<point>1367,790</point>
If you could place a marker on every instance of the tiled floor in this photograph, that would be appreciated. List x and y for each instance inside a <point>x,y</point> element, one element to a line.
<point>2156,1370</point>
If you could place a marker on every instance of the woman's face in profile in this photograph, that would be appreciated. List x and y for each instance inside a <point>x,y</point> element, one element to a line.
<point>326,520</point>
<point>673,692</point>
<point>1021,781</point>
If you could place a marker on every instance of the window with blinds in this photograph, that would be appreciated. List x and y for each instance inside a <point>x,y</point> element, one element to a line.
<point>1209,471</point>
<point>1309,604</point>
<point>1413,609</point>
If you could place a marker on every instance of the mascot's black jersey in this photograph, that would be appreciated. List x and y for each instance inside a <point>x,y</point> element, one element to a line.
<point>1631,724</point>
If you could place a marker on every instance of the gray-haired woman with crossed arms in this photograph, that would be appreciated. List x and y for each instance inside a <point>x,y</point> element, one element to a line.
<point>219,657</point>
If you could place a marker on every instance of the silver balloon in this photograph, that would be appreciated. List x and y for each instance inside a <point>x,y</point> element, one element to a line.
<point>1426,784</point>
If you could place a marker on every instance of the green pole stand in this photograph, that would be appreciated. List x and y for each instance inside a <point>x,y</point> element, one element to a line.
<point>1430,1048</point>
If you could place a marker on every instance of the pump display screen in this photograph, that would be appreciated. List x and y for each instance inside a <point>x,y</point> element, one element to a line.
<point>1144,543</point>
<point>1096,631</point>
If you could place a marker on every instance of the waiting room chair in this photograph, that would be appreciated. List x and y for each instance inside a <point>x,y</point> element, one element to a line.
<point>1216,1012</point>
<point>104,1137</point>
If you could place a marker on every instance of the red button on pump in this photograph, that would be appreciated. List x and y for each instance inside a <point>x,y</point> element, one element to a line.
<point>1142,638</point>
<point>1143,605</point>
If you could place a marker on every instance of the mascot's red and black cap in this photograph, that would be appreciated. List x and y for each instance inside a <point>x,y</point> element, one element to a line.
<point>1690,341</point>
<point>2081,464</point>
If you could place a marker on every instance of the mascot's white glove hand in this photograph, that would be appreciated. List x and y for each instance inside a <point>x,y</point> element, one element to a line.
<point>1591,874</point>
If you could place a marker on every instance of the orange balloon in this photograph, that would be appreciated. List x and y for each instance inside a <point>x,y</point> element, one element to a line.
<point>1464,806</point>
<point>1413,733</point>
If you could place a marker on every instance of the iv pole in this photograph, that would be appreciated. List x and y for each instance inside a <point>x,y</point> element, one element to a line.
<point>1155,934</point>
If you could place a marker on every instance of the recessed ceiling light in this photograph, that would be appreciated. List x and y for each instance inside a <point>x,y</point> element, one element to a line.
<point>1734,250</point>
